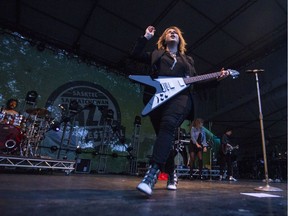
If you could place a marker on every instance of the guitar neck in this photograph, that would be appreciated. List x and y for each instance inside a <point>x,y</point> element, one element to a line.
<point>204,77</point>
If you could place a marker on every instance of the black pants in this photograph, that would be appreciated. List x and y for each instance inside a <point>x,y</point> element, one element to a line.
<point>225,159</point>
<point>165,120</point>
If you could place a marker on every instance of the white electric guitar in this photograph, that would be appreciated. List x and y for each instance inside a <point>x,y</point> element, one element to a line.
<point>167,87</point>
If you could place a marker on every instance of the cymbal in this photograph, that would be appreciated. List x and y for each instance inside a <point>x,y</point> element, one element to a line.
<point>38,111</point>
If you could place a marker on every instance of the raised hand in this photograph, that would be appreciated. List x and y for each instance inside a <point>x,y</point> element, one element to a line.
<point>224,74</point>
<point>149,32</point>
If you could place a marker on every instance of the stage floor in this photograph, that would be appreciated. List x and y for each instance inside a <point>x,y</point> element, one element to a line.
<point>43,194</point>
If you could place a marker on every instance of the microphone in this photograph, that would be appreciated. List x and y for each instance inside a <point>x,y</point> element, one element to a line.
<point>255,71</point>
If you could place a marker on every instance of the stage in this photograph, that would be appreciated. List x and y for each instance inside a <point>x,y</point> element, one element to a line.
<point>55,193</point>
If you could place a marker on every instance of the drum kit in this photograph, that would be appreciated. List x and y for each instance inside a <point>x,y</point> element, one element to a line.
<point>22,134</point>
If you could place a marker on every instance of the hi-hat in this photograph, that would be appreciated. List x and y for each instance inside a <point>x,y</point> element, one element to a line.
<point>38,111</point>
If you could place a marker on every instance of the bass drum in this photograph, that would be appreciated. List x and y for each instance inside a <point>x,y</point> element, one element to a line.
<point>10,139</point>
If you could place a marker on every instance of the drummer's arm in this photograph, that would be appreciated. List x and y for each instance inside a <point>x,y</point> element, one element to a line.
<point>11,112</point>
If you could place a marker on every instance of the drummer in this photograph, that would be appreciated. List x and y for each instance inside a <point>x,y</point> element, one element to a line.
<point>11,106</point>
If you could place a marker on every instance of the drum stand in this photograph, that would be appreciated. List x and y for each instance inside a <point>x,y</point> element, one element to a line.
<point>30,138</point>
<point>34,134</point>
<point>66,119</point>
<point>266,187</point>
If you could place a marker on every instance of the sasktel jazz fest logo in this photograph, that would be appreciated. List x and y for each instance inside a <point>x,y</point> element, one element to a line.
<point>96,108</point>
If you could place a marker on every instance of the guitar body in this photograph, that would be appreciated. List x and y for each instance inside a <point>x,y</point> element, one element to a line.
<point>168,87</point>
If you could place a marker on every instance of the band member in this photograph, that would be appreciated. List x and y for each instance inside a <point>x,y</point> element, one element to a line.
<point>11,105</point>
<point>225,151</point>
<point>168,59</point>
<point>197,146</point>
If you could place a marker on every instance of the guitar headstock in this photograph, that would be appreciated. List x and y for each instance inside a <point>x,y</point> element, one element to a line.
<point>233,73</point>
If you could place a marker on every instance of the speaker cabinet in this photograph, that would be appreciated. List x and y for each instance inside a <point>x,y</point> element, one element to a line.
<point>83,165</point>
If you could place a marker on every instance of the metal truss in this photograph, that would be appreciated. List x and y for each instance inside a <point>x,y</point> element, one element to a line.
<point>37,163</point>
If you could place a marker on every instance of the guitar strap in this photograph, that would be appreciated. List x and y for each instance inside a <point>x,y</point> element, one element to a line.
<point>156,57</point>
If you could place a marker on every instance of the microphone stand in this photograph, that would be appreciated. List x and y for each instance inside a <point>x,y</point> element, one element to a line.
<point>211,144</point>
<point>66,120</point>
<point>267,187</point>
<point>211,153</point>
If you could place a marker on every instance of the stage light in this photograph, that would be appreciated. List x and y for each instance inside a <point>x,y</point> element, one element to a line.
<point>53,148</point>
<point>31,97</point>
<point>61,106</point>
<point>78,150</point>
<point>55,125</point>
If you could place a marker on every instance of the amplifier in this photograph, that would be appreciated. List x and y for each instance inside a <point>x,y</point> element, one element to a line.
<point>83,165</point>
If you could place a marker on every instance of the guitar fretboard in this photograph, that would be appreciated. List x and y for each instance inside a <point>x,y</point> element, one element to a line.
<point>204,77</point>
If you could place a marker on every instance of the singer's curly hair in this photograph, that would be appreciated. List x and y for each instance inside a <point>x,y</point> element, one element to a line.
<point>182,43</point>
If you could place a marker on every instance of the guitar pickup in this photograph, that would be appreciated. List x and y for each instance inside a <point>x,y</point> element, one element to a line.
<point>181,82</point>
<point>171,85</point>
<point>164,87</point>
